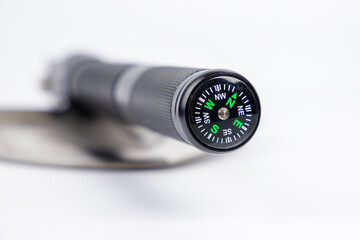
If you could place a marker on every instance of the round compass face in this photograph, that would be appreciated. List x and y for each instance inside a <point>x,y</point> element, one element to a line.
<point>223,112</point>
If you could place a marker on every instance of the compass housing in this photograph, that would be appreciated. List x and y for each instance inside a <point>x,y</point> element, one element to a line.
<point>216,110</point>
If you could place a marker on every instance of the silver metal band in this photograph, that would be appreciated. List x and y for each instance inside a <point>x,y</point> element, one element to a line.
<point>124,86</point>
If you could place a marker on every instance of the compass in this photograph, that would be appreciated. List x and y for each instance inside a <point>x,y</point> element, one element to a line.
<point>223,112</point>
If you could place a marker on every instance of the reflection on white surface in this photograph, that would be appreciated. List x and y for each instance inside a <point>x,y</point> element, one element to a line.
<point>298,178</point>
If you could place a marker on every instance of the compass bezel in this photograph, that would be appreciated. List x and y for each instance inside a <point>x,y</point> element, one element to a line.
<point>182,112</point>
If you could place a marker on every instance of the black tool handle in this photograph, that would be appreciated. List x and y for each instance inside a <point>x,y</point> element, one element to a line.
<point>214,110</point>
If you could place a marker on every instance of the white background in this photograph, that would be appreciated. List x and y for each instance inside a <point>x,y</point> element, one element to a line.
<point>297,179</point>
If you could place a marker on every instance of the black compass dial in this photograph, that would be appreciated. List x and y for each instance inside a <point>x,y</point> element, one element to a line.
<point>223,112</point>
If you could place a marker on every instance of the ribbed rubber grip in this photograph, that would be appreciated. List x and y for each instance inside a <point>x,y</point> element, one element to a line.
<point>152,96</point>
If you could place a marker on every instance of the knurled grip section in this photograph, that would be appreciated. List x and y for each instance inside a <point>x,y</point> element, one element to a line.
<point>152,96</point>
